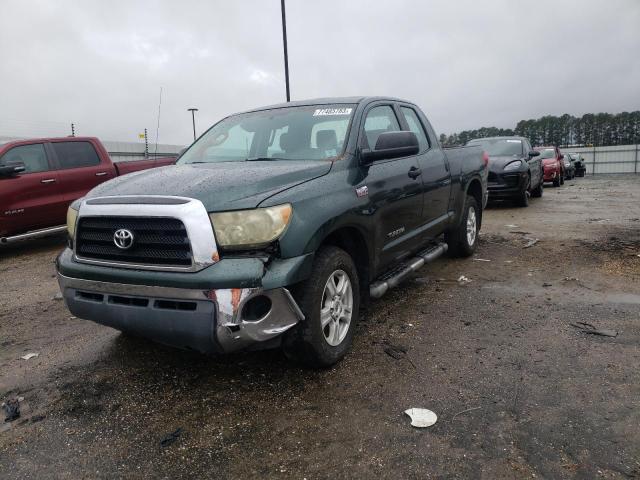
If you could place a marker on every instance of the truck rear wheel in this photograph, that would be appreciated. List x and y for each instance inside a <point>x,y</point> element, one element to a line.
<point>330,301</point>
<point>463,238</point>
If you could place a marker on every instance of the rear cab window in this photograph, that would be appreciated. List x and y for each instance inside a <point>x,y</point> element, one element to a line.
<point>33,157</point>
<point>75,154</point>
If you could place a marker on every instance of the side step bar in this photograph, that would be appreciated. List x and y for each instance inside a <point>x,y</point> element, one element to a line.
<point>34,234</point>
<point>394,277</point>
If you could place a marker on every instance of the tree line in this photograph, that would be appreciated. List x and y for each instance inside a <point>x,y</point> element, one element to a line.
<point>599,130</point>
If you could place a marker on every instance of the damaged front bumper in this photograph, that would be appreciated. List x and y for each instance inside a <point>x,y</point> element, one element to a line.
<point>208,320</point>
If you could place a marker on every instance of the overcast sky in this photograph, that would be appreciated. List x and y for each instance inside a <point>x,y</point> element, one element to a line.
<point>467,63</point>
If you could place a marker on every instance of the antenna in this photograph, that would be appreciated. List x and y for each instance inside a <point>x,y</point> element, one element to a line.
<point>158,127</point>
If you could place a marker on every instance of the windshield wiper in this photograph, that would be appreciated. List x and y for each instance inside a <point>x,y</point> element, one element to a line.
<point>261,159</point>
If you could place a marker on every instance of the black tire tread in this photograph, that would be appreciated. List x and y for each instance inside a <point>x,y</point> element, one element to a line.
<point>304,343</point>
<point>456,237</point>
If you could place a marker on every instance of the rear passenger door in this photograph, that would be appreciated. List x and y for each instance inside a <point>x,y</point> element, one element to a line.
<point>395,196</point>
<point>436,178</point>
<point>79,168</point>
<point>32,199</point>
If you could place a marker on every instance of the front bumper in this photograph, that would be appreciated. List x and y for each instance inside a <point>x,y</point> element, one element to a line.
<point>208,321</point>
<point>506,185</point>
<point>551,175</point>
<point>204,311</point>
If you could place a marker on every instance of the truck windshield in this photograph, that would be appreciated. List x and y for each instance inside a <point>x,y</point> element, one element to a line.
<point>498,147</point>
<point>314,132</point>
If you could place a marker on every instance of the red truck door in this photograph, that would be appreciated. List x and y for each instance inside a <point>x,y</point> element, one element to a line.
<point>80,168</point>
<point>32,199</point>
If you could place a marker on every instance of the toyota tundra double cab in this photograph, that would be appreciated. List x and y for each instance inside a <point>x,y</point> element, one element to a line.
<point>273,228</point>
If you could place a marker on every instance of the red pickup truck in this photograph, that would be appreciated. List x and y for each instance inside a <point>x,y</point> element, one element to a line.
<point>40,177</point>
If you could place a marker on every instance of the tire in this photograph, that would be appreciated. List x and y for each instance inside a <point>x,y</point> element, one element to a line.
<point>308,342</point>
<point>459,239</point>
<point>539,190</point>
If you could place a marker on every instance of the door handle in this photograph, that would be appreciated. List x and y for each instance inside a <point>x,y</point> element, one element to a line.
<point>415,172</point>
<point>48,180</point>
<point>101,174</point>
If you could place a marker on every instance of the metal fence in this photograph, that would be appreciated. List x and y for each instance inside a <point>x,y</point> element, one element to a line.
<point>616,159</point>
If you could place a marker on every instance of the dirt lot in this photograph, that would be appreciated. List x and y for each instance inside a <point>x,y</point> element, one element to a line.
<point>519,392</point>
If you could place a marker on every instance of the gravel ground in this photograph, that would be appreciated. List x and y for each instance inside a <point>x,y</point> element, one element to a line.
<point>518,391</point>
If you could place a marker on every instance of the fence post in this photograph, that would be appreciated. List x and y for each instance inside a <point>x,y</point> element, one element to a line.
<point>593,165</point>
<point>635,165</point>
<point>146,144</point>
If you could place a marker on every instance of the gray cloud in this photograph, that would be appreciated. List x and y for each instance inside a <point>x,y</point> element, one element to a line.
<point>466,63</point>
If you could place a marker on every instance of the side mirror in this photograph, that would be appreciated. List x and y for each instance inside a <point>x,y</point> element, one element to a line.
<point>392,145</point>
<point>534,153</point>
<point>11,170</point>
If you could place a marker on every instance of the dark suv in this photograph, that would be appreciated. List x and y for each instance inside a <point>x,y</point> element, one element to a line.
<point>515,171</point>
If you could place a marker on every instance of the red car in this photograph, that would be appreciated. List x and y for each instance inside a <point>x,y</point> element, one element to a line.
<point>552,165</point>
<point>39,178</point>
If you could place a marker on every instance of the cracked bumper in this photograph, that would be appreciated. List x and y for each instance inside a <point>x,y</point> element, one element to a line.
<point>206,318</point>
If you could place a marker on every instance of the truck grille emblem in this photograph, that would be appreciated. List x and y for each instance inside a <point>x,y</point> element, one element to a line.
<point>123,239</point>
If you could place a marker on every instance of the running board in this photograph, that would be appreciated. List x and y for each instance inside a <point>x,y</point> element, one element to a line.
<point>34,234</point>
<point>392,278</point>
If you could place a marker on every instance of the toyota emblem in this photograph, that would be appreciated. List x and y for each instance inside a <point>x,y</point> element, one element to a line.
<point>123,239</point>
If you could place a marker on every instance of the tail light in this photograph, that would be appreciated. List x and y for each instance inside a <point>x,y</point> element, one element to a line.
<point>485,159</point>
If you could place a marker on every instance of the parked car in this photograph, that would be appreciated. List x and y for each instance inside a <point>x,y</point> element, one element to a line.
<point>578,163</point>
<point>515,171</point>
<point>553,165</point>
<point>40,177</point>
<point>273,227</point>
<point>569,167</point>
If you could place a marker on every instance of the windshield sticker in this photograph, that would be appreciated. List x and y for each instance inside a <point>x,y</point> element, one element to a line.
<point>514,141</point>
<point>331,111</point>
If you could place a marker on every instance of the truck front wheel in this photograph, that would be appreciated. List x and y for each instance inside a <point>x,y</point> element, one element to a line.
<point>330,301</point>
<point>463,238</point>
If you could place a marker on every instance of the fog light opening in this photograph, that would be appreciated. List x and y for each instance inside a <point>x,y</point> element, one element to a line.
<point>256,308</point>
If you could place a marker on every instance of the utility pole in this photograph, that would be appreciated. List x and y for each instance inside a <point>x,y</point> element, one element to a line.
<point>193,119</point>
<point>286,55</point>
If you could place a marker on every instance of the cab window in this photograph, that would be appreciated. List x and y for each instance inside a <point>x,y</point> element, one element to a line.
<point>75,154</point>
<point>33,158</point>
<point>379,120</point>
<point>415,126</point>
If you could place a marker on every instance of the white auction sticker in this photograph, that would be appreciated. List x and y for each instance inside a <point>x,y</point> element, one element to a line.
<point>514,141</point>
<point>332,111</point>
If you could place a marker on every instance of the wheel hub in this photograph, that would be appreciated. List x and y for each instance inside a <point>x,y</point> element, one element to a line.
<point>337,303</point>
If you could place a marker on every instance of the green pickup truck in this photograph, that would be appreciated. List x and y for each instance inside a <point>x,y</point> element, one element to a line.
<point>274,228</point>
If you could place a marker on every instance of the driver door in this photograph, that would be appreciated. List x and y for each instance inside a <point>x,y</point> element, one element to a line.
<point>395,196</point>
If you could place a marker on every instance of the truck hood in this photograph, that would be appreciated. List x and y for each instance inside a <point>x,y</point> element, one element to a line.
<point>219,186</point>
<point>497,163</point>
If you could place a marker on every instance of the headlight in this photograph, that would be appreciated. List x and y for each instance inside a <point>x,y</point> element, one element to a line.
<point>513,165</point>
<point>250,228</point>
<point>72,216</point>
